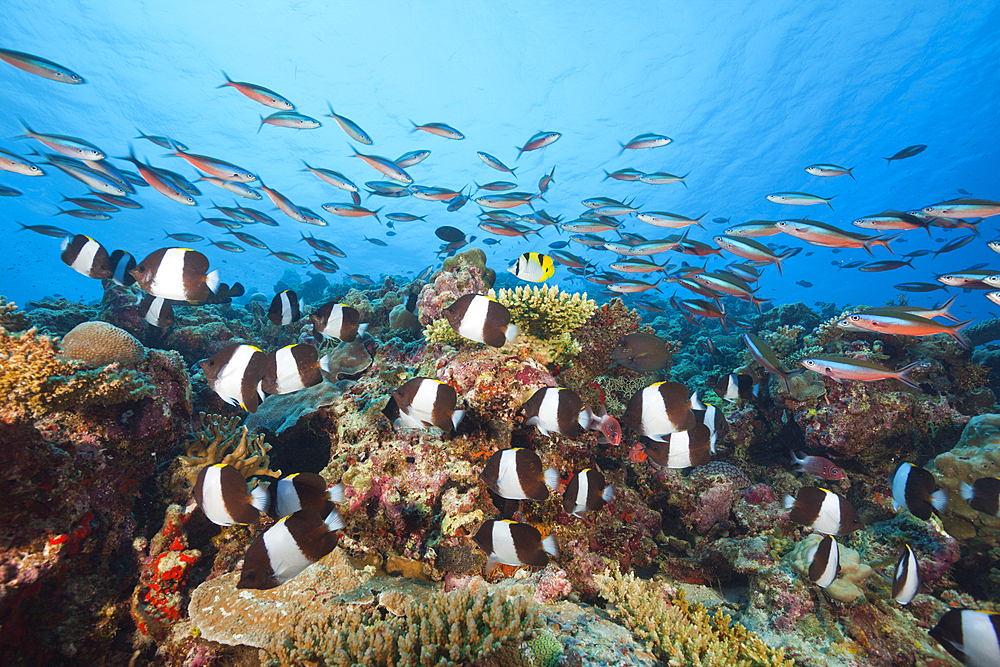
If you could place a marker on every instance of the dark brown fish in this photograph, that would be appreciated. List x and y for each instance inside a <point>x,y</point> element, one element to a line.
<point>642,352</point>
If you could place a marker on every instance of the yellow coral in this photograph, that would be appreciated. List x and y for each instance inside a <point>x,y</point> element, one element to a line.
<point>440,331</point>
<point>99,344</point>
<point>35,379</point>
<point>683,634</point>
<point>222,440</point>
<point>545,312</point>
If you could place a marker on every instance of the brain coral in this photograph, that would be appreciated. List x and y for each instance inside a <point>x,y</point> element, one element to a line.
<point>99,344</point>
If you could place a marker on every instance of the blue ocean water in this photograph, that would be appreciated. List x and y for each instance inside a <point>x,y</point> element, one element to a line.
<point>750,93</point>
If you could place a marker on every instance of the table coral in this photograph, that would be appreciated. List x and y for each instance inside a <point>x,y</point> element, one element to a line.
<point>223,440</point>
<point>330,613</point>
<point>681,633</point>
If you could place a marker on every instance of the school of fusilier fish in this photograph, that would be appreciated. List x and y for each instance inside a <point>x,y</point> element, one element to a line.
<point>674,427</point>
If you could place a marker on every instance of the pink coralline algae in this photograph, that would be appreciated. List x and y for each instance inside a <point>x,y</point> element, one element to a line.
<point>713,506</point>
<point>865,420</point>
<point>461,275</point>
<point>493,383</point>
<point>551,584</point>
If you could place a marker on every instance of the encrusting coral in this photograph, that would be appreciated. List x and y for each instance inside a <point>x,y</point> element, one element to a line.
<point>976,455</point>
<point>36,380</point>
<point>681,633</point>
<point>222,440</point>
<point>849,584</point>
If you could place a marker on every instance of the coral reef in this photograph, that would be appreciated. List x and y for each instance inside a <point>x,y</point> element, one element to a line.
<point>975,455</point>
<point>545,312</point>
<point>158,599</point>
<point>34,379</point>
<point>681,633</point>
<point>333,612</point>
<point>465,273</point>
<point>11,318</point>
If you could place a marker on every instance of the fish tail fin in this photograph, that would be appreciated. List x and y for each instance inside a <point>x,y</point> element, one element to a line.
<point>336,493</point>
<point>324,363</point>
<point>966,491</point>
<point>261,123</point>
<point>334,521</point>
<point>456,418</point>
<point>956,333</point>
<point>608,494</point>
<point>788,502</point>
<point>519,151</point>
<point>888,161</point>
<point>228,82</point>
<point>512,333</point>
<point>939,500</point>
<point>362,328</point>
<point>885,240</point>
<point>552,478</point>
<point>23,226</point>
<point>622,150</point>
<point>212,281</point>
<point>945,310</point>
<point>27,130</point>
<point>550,546</point>
<point>828,202</point>
<point>779,259</point>
<point>850,174</point>
<point>259,498</point>
<point>903,374</point>
<point>412,129</point>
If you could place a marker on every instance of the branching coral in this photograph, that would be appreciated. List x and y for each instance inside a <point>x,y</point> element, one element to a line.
<point>222,440</point>
<point>34,379</point>
<point>445,629</point>
<point>545,313</point>
<point>684,634</point>
<point>11,318</point>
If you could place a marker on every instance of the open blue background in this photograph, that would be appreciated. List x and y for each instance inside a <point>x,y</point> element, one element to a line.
<point>751,93</point>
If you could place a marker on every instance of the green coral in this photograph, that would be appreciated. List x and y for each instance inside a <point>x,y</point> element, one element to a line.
<point>683,634</point>
<point>446,629</point>
<point>545,649</point>
<point>546,312</point>
<point>34,379</point>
